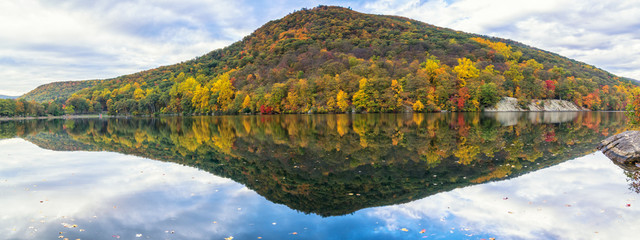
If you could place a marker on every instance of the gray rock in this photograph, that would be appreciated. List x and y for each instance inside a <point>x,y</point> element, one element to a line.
<point>509,104</point>
<point>623,148</point>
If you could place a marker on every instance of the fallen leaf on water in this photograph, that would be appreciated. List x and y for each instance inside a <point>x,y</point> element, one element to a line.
<point>294,233</point>
<point>138,235</point>
<point>229,238</point>
<point>628,205</point>
<point>423,231</point>
<point>404,230</point>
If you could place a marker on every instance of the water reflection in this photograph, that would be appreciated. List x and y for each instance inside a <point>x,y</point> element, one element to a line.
<point>322,164</point>
<point>512,118</point>
<point>337,164</point>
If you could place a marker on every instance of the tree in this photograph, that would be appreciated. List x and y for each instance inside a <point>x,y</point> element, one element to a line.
<point>20,109</point>
<point>225,91</point>
<point>489,94</point>
<point>69,109</point>
<point>200,99</point>
<point>362,99</point>
<point>432,68</point>
<point>418,106</point>
<point>465,70</point>
<point>246,104</point>
<point>138,94</point>
<point>397,90</point>
<point>7,107</point>
<point>341,101</point>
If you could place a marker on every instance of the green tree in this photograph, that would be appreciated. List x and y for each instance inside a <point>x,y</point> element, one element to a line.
<point>489,94</point>
<point>7,107</point>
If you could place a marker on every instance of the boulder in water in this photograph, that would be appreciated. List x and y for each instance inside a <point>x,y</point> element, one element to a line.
<point>623,148</point>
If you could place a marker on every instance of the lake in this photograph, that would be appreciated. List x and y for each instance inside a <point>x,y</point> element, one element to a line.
<point>345,176</point>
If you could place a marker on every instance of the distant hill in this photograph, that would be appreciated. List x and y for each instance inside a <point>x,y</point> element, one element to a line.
<point>57,90</point>
<point>333,59</point>
<point>8,97</point>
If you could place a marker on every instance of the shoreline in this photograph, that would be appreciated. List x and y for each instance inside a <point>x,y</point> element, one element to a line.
<point>89,116</point>
<point>55,117</point>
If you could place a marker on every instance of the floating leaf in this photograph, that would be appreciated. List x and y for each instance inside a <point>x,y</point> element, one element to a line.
<point>404,230</point>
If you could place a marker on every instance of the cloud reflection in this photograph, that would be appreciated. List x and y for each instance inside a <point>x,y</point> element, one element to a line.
<point>583,198</point>
<point>110,194</point>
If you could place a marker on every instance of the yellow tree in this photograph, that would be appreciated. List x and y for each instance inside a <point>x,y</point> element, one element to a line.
<point>138,94</point>
<point>433,68</point>
<point>341,100</point>
<point>465,70</point>
<point>200,99</point>
<point>361,98</point>
<point>246,104</point>
<point>224,89</point>
<point>418,106</point>
<point>397,91</point>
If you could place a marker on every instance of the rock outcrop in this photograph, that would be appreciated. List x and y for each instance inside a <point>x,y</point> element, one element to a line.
<point>509,104</point>
<point>623,148</point>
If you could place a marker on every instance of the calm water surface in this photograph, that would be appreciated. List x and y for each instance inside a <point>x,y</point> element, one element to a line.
<point>375,176</point>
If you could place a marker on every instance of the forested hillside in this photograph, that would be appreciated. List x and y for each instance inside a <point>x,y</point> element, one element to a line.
<point>332,59</point>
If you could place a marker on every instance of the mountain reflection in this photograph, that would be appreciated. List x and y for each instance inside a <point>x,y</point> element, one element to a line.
<point>338,164</point>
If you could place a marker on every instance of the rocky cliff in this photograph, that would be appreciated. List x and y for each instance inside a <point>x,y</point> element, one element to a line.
<point>509,104</point>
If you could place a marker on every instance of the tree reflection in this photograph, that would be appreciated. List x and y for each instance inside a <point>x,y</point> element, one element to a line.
<point>337,164</point>
<point>633,177</point>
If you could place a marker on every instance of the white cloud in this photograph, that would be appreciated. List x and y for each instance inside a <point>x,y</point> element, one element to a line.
<point>49,41</point>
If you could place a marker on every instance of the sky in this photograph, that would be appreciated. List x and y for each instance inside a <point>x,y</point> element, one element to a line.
<point>43,41</point>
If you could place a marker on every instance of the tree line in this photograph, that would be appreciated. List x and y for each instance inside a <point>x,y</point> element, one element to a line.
<point>24,108</point>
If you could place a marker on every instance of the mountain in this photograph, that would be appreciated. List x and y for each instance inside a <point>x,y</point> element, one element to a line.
<point>7,97</point>
<point>333,59</point>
